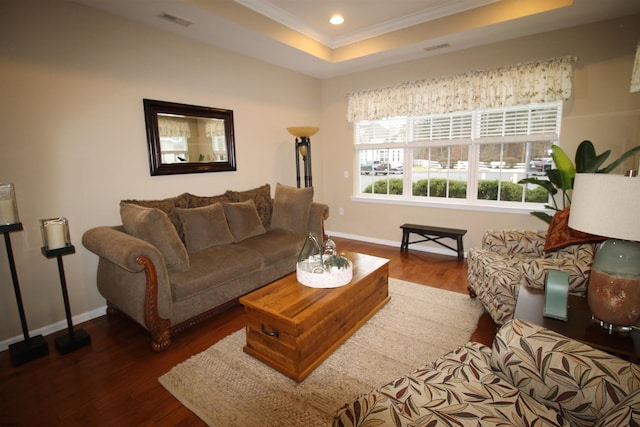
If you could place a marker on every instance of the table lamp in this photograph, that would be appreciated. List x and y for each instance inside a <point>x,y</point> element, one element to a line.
<point>608,205</point>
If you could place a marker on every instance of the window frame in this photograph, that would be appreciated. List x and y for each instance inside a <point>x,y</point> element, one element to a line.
<point>546,132</point>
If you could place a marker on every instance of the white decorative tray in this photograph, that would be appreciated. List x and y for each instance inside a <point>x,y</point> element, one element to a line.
<point>310,273</point>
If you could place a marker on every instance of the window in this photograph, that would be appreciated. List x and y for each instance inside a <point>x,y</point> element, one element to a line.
<point>474,157</point>
<point>174,149</point>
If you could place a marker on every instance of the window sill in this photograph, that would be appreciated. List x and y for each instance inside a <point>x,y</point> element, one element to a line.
<point>451,204</point>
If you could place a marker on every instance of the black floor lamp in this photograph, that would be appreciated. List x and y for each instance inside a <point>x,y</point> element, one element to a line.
<point>303,136</point>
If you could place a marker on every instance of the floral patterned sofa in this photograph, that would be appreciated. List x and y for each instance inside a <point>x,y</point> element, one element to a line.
<point>531,377</point>
<point>509,259</point>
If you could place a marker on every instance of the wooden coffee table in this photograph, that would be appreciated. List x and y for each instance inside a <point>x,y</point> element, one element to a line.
<point>293,328</point>
<point>578,326</point>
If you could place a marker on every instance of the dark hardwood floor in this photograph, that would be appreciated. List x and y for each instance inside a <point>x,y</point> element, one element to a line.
<point>114,382</point>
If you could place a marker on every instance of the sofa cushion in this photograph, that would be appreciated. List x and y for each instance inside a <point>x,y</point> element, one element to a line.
<point>580,382</point>
<point>153,225</point>
<point>457,389</point>
<point>167,206</point>
<point>213,267</point>
<point>261,196</point>
<point>199,201</point>
<point>277,245</point>
<point>560,235</point>
<point>205,227</point>
<point>291,208</point>
<point>243,220</point>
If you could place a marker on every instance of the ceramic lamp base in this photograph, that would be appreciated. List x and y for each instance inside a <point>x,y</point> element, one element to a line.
<point>614,300</point>
<point>614,285</point>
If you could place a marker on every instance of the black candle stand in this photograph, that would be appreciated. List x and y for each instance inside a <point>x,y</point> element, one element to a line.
<point>31,347</point>
<point>75,339</point>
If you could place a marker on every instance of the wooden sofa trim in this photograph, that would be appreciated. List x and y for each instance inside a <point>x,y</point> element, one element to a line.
<point>159,327</point>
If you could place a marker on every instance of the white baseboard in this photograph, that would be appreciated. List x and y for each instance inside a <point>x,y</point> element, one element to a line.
<point>58,326</point>
<point>415,246</point>
<point>55,327</point>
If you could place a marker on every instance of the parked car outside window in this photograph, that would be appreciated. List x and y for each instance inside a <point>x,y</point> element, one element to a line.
<point>541,163</point>
<point>375,168</point>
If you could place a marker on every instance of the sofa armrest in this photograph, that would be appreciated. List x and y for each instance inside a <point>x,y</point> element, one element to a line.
<point>318,213</point>
<point>133,277</point>
<point>534,272</point>
<point>120,248</point>
<point>523,242</point>
<point>579,381</point>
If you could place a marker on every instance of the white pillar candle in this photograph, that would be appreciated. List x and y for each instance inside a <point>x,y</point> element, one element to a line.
<point>7,213</point>
<point>55,235</point>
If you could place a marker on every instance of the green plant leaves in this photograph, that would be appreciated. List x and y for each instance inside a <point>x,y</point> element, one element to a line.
<point>566,171</point>
<point>622,158</point>
<point>561,178</point>
<point>586,159</point>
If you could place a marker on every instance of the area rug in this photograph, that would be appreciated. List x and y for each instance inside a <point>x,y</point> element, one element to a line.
<point>226,387</point>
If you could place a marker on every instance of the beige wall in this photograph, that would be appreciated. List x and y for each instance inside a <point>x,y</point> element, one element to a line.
<point>72,81</point>
<point>73,140</point>
<point>601,109</point>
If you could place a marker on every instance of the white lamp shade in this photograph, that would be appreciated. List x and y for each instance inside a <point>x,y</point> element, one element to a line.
<point>606,205</point>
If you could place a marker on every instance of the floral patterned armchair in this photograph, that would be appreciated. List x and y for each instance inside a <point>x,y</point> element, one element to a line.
<point>509,259</point>
<point>531,376</point>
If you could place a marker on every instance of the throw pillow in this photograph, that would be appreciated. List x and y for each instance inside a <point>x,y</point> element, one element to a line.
<point>199,201</point>
<point>205,227</point>
<point>291,207</point>
<point>261,196</point>
<point>243,220</point>
<point>559,235</point>
<point>167,206</point>
<point>153,225</point>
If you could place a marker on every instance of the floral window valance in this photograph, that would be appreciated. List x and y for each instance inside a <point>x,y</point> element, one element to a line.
<point>214,127</point>
<point>173,126</point>
<point>521,84</point>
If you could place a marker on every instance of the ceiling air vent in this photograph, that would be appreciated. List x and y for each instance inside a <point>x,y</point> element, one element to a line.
<point>436,47</point>
<point>175,19</point>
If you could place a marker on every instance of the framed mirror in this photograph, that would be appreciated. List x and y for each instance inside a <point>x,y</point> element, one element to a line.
<point>189,139</point>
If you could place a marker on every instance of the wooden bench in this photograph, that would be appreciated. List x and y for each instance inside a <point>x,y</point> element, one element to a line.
<point>433,234</point>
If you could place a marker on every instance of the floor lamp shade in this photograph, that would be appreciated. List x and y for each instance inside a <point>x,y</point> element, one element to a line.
<point>608,205</point>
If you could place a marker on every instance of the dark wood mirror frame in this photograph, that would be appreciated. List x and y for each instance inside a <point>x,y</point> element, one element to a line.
<point>153,108</point>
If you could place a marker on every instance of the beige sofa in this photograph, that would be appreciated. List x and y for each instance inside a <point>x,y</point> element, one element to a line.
<point>178,261</point>
<point>531,377</point>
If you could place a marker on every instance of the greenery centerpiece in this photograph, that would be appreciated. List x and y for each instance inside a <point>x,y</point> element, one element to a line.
<point>322,267</point>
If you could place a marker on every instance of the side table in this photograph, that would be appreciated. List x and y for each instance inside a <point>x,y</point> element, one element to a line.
<point>579,326</point>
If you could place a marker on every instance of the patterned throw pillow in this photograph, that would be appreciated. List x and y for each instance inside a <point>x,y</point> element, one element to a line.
<point>559,235</point>
<point>200,201</point>
<point>153,225</point>
<point>167,206</point>
<point>205,227</point>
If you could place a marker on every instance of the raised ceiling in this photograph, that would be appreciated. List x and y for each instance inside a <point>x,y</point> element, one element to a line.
<point>296,34</point>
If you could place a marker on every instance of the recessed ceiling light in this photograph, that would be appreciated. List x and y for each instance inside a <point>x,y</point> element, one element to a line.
<point>336,19</point>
